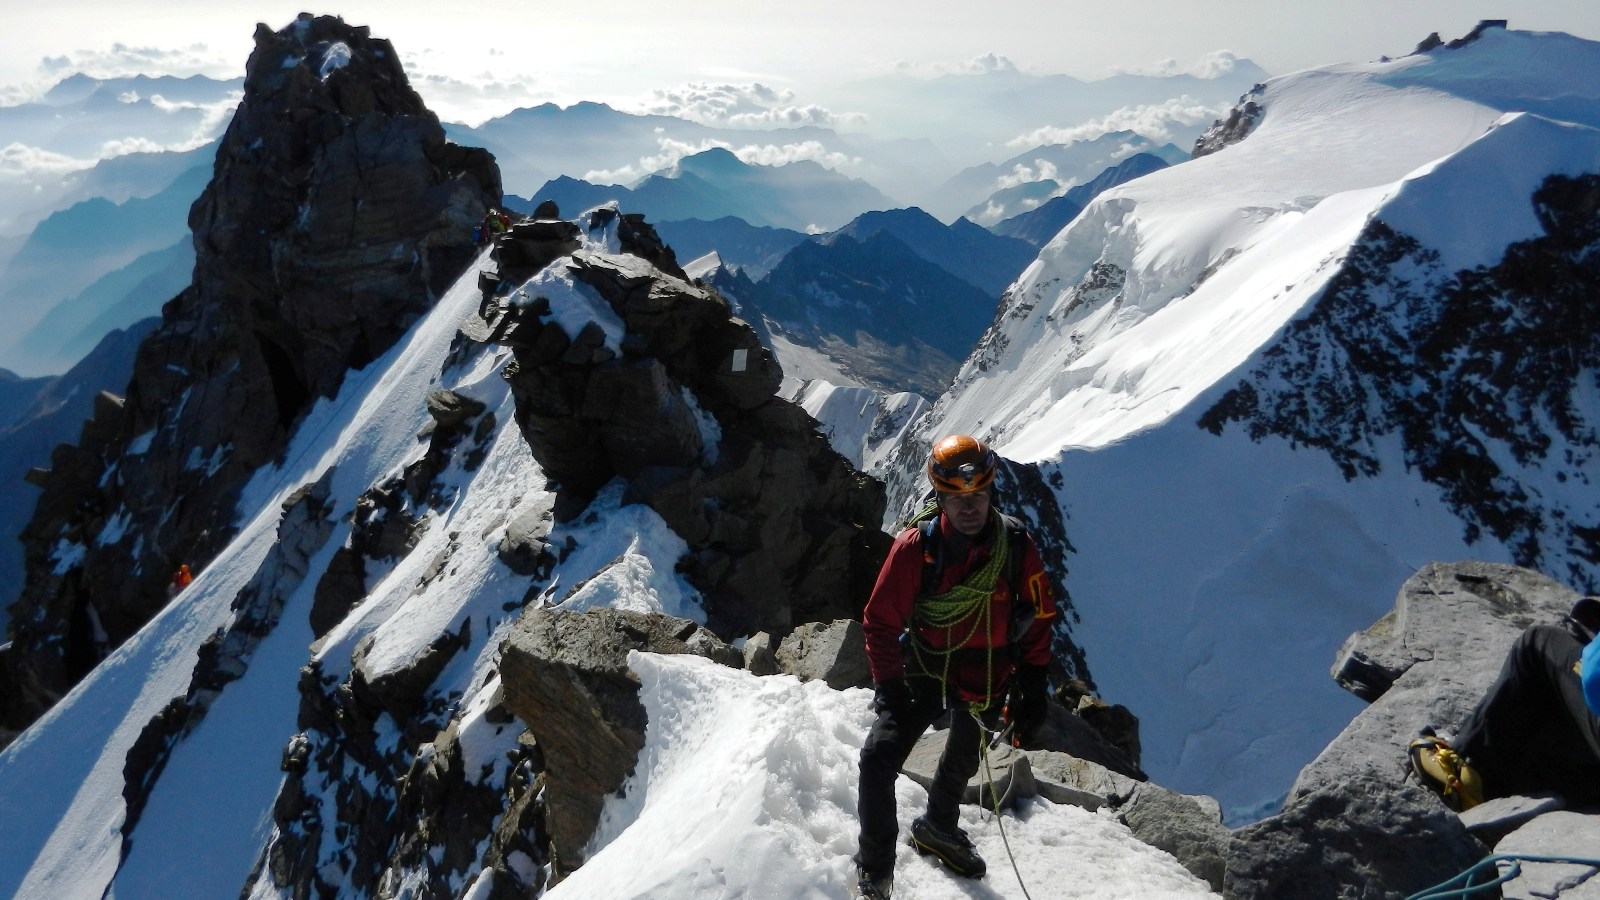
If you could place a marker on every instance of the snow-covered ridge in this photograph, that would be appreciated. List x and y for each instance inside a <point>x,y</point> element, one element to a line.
<point>1250,235</point>
<point>863,425</point>
<point>746,788</point>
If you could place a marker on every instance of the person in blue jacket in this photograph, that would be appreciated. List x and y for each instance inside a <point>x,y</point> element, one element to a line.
<point>1537,728</point>
<point>1589,673</point>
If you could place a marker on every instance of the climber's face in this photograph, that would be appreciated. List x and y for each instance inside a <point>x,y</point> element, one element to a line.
<point>967,512</point>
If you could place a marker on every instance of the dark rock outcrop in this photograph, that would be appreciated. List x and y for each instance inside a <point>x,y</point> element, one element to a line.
<point>1241,120</point>
<point>682,407</point>
<point>1432,41</point>
<point>566,676</point>
<point>337,213</point>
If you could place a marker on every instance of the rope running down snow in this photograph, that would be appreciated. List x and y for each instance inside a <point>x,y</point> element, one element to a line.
<point>994,796</point>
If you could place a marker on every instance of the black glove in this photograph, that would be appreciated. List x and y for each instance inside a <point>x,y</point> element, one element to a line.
<point>1025,708</point>
<point>894,695</point>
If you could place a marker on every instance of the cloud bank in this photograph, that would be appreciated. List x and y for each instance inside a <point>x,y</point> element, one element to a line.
<point>1215,64</point>
<point>122,61</point>
<point>22,161</point>
<point>734,105</point>
<point>1154,121</point>
<point>673,151</point>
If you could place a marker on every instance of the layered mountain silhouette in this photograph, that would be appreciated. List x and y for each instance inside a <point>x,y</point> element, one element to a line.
<point>802,196</point>
<point>893,300</point>
<point>991,192</point>
<point>1037,226</point>
<point>752,249</point>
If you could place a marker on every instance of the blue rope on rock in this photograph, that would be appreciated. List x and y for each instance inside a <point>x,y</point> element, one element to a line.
<point>1465,884</point>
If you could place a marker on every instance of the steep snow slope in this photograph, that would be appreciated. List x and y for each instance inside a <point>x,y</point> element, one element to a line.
<point>1216,576</point>
<point>863,425</point>
<point>63,779</point>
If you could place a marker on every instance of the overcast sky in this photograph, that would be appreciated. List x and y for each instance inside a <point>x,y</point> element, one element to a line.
<point>613,50</point>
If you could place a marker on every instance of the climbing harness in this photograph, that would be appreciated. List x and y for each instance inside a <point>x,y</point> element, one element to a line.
<point>1465,884</point>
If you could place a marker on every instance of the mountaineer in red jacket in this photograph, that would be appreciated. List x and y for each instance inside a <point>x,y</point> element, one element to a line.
<point>959,619</point>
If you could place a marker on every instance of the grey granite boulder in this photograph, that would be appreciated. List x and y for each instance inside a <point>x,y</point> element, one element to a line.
<point>1353,825</point>
<point>566,676</point>
<point>760,657</point>
<point>1363,838</point>
<point>1559,834</point>
<point>1190,828</point>
<point>835,653</point>
<point>1429,661</point>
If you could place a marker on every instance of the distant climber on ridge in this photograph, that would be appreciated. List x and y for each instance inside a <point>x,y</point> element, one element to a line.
<point>180,580</point>
<point>959,618</point>
<point>494,222</point>
<point>1536,729</point>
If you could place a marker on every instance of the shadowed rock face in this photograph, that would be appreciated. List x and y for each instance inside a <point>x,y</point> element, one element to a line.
<point>1485,375</point>
<point>336,215</point>
<point>1241,120</point>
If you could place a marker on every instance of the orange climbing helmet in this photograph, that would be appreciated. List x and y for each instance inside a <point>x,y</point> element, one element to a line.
<point>960,465</point>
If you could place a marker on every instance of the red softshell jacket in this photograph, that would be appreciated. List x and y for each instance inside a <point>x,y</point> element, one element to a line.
<point>889,610</point>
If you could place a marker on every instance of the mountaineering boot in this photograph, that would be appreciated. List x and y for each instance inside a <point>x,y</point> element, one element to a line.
<point>869,887</point>
<point>1440,769</point>
<point>951,848</point>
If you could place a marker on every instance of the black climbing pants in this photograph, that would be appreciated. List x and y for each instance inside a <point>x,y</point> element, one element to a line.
<point>888,744</point>
<point>1532,731</point>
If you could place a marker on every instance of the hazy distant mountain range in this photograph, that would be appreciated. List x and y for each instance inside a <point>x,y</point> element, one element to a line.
<point>802,195</point>
<point>1038,225</point>
<point>806,178</point>
<point>990,192</point>
<point>93,267</point>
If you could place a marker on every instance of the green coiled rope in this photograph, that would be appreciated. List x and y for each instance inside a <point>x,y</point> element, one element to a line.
<point>967,601</point>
